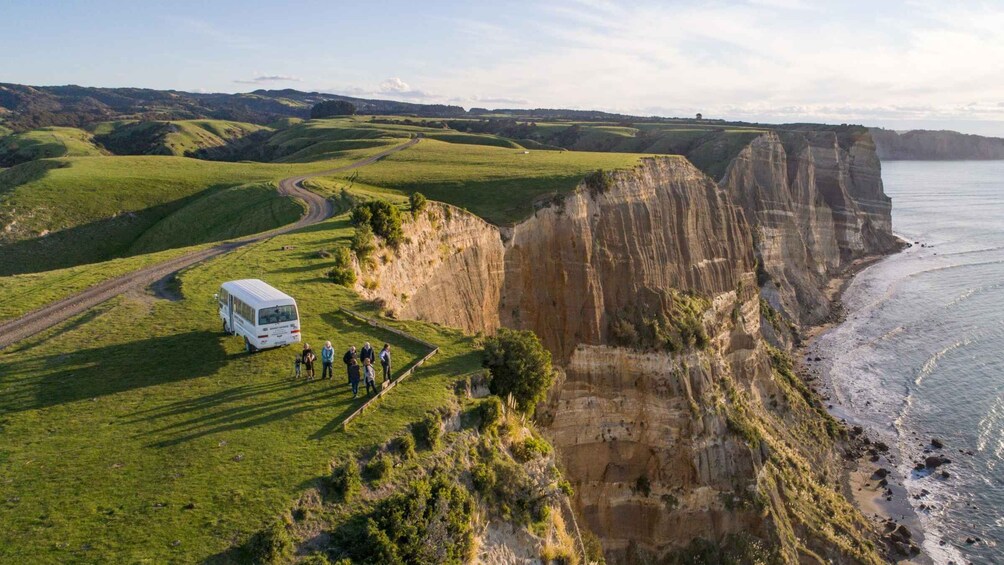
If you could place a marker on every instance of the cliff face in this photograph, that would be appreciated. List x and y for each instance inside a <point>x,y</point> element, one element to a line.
<point>925,145</point>
<point>674,419</point>
<point>816,205</point>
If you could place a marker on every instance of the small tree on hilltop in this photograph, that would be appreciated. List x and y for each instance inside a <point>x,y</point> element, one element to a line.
<point>519,365</point>
<point>417,201</point>
<point>330,108</point>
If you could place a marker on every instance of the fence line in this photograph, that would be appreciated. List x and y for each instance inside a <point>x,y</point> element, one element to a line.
<point>387,385</point>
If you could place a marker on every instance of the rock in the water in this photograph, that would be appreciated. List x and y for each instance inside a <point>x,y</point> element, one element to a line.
<point>880,473</point>
<point>936,443</point>
<point>935,461</point>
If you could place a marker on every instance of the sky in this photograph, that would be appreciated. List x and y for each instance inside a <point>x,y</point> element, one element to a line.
<point>902,65</point>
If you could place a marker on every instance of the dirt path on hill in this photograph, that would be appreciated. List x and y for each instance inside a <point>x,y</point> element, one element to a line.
<point>318,209</point>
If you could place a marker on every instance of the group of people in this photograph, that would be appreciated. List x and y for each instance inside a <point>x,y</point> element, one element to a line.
<point>359,365</point>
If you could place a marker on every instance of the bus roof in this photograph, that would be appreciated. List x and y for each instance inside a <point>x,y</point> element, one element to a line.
<point>257,293</point>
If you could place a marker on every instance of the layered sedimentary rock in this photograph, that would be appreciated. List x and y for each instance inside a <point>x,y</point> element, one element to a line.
<point>673,418</point>
<point>449,271</point>
<point>816,204</point>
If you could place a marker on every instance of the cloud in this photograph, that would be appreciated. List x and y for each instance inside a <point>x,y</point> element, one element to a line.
<point>261,79</point>
<point>394,85</point>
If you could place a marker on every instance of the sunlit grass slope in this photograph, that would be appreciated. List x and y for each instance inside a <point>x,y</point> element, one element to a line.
<point>138,433</point>
<point>96,208</point>
<point>498,184</point>
<point>46,142</point>
<point>169,138</point>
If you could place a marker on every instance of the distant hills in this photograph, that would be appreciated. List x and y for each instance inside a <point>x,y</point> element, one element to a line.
<point>942,145</point>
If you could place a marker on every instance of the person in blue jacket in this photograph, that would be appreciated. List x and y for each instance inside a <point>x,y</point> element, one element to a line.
<point>327,358</point>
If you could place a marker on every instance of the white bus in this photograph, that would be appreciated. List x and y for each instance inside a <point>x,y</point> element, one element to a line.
<point>263,315</point>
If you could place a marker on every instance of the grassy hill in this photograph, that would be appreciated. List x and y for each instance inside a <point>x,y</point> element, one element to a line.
<point>181,444</point>
<point>57,213</point>
<point>169,138</point>
<point>498,184</point>
<point>45,143</point>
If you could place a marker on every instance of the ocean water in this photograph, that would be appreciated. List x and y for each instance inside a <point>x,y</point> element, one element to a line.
<point>921,353</point>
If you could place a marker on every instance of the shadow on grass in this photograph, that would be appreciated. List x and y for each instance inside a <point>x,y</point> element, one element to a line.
<point>248,406</point>
<point>40,381</point>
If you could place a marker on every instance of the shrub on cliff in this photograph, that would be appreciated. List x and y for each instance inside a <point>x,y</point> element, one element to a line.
<point>345,482</point>
<point>362,242</point>
<point>273,545</point>
<point>428,430</point>
<point>342,272</point>
<point>520,366</point>
<point>429,522</point>
<point>383,218</point>
<point>417,201</point>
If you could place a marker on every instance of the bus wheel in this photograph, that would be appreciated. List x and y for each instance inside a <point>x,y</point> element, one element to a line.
<point>248,347</point>
<point>226,330</point>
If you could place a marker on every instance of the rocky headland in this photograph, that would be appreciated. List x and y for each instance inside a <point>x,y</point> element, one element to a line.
<point>671,302</point>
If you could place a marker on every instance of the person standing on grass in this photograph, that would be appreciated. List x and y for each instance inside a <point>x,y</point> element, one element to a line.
<point>385,361</point>
<point>308,358</point>
<point>349,358</point>
<point>327,358</point>
<point>370,375</point>
<point>367,353</point>
<point>354,377</point>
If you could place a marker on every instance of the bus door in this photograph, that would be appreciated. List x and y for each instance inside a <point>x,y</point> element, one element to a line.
<point>230,313</point>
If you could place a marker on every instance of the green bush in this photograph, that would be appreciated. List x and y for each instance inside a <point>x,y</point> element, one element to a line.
<point>345,481</point>
<point>428,430</point>
<point>318,559</point>
<point>342,272</point>
<point>417,202</point>
<point>430,522</point>
<point>529,449</point>
<point>383,218</point>
<point>362,242</point>
<point>361,215</point>
<point>379,469</point>
<point>405,447</point>
<point>271,546</point>
<point>483,477</point>
<point>491,413</point>
<point>520,366</point>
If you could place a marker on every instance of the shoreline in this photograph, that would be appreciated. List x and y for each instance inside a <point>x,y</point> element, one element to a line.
<point>869,477</point>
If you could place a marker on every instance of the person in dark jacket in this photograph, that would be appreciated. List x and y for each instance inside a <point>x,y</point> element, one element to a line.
<point>354,377</point>
<point>367,353</point>
<point>349,358</point>
<point>385,361</point>
<point>308,358</point>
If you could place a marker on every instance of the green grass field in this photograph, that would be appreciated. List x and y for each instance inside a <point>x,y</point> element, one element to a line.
<point>45,143</point>
<point>113,423</point>
<point>497,184</point>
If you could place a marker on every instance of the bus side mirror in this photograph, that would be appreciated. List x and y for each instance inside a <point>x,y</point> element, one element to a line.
<point>216,296</point>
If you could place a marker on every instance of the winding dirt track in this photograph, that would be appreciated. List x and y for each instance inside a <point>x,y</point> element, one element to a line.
<point>318,209</point>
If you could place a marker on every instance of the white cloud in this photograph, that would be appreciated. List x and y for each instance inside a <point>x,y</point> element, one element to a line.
<point>765,59</point>
<point>260,78</point>
<point>394,85</point>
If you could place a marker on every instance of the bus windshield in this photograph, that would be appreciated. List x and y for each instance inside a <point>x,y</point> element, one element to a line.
<point>276,315</point>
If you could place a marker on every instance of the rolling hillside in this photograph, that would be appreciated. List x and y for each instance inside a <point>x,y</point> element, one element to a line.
<point>177,138</point>
<point>46,143</point>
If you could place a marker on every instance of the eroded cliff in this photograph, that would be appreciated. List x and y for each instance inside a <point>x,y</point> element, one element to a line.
<point>816,204</point>
<point>681,429</point>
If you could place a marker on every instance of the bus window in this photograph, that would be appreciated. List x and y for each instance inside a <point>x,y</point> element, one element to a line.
<point>276,315</point>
